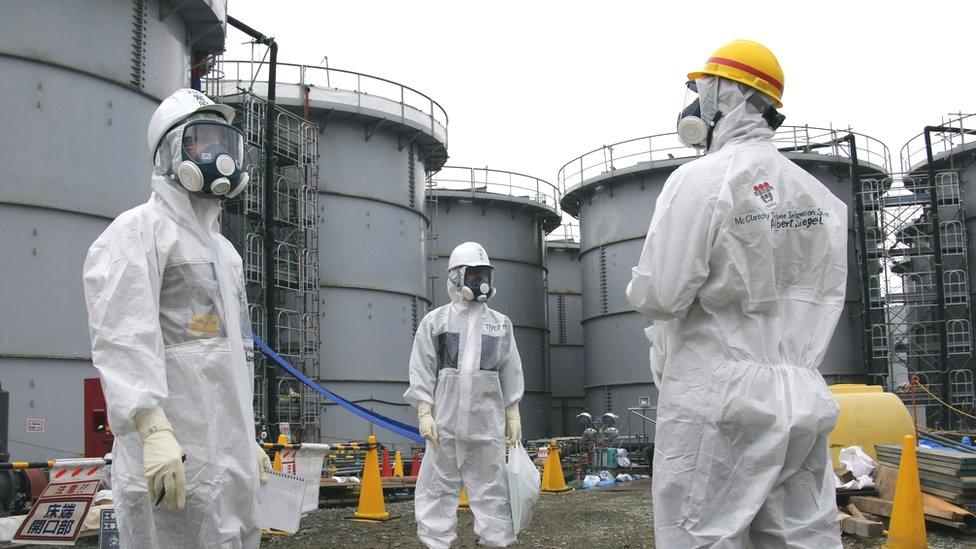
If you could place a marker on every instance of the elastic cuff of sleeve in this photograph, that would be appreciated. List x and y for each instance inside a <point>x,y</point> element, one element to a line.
<point>152,421</point>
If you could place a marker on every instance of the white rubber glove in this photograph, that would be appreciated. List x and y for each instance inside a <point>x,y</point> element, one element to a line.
<point>425,422</point>
<point>162,458</point>
<point>513,425</point>
<point>264,462</point>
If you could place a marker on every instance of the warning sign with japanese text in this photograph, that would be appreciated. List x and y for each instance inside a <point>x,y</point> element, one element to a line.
<point>57,516</point>
<point>108,530</point>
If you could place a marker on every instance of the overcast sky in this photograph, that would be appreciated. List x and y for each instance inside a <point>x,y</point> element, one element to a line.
<point>529,86</point>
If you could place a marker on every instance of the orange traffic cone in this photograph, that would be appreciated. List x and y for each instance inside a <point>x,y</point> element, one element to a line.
<point>415,464</point>
<point>553,480</point>
<point>463,504</point>
<point>398,464</point>
<point>387,471</point>
<point>907,527</point>
<point>372,508</point>
<point>276,464</point>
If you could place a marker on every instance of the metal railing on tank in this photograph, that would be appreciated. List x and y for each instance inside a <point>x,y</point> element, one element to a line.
<point>567,232</point>
<point>486,180</point>
<point>609,158</point>
<point>666,147</point>
<point>363,90</point>
<point>913,153</point>
<point>833,142</point>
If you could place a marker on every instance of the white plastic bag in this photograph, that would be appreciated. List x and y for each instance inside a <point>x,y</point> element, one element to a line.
<point>589,481</point>
<point>856,461</point>
<point>859,483</point>
<point>860,465</point>
<point>523,486</point>
<point>623,459</point>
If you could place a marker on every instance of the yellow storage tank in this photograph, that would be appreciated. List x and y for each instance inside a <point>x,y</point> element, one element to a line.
<point>868,416</point>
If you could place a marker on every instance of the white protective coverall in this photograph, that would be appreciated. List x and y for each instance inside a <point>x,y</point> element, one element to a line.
<point>170,329</point>
<point>465,362</point>
<point>744,271</point>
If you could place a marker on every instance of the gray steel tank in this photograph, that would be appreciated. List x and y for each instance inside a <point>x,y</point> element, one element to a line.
<point>509,214</point>
<point>80,81</point>
<point>566,373</point>
<point>917,346</point>
<point>612,191</point>
<point>377,141</point>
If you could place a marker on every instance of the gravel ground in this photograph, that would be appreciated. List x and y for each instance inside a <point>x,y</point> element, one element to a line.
<point>618,517</point>
<point>583,518</point>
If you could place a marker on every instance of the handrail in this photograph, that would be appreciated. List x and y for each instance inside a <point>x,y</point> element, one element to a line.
<point>486,180</point>
<point>567,232</point>
<point>912,153</point>
<point>313,76</point>
<point>666,147</point>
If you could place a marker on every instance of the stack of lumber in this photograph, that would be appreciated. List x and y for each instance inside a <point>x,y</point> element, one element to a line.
<point>937,511</point>
<point>853,522</point>
<point>948,474</point>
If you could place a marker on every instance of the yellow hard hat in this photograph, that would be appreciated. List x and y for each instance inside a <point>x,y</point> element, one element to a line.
<point>748,63</point>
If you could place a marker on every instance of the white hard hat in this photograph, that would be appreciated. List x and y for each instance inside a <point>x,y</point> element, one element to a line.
<point>175,108</point>
<point>469,254</point>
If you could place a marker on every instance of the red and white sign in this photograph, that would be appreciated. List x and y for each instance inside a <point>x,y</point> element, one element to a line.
<point>288,464</point>
<point>57,516</point>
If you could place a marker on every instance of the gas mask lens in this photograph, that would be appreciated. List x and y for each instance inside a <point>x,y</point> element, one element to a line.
<point>690,106</point>
<point>205,140</point>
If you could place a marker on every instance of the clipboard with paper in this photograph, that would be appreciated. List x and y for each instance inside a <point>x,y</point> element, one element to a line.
<point>281,502</point>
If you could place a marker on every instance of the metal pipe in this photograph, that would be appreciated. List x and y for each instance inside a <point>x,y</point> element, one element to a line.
<point>4,424</point>
<point>862,241</point>
<point>940,312</point>
<point>51,463</point>
<point>270,136</point>
<point>20,465</point>
<point>638,414</point>
<point>276,446</point>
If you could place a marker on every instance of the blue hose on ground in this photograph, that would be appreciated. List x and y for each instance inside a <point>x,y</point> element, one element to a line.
<point>389,424</point>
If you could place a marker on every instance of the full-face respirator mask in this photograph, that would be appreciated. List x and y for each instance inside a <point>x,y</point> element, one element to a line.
<point>211,158</point>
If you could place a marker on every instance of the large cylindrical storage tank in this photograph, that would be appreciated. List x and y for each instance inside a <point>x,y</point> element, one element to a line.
<point>953,151</point>
<point>80,81</point>
<point>953,378</point>
<point>614,208</point>
<point>377,141</point>
<point>612,191</point>
<point>568,398</point>
<point>815,150</point>
<point>509,214</point>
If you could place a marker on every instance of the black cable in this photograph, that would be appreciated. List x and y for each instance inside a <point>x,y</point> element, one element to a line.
<point>378,401</point>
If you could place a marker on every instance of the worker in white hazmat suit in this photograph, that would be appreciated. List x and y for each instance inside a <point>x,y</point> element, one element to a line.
<point>743,271</point>
<point>466,383</point>
<point>171,339</point>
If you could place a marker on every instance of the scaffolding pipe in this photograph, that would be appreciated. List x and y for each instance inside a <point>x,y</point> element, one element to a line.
<point>270,135</point>
<point>940,312</point>
<point>856,186</point>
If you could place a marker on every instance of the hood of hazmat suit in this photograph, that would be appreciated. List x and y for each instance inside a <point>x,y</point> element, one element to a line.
<point>743,271</point>
<point>169,327</point>
<point>465,362</point>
